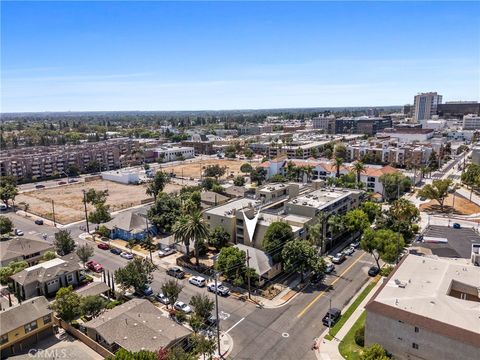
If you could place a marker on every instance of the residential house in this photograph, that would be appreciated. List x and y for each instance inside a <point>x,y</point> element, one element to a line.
<point>130,225</point>
<point>136,325</point>
<point>23,325</point>
<point>23,249</point>
<point>261,262</point>
<point>48,277</point>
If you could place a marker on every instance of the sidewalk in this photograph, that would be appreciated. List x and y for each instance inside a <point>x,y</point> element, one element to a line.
<point>282,298</point>
<point>328,350</point>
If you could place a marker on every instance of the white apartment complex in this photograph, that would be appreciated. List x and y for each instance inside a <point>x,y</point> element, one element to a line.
<point>471,122</point>
<point>173,153</point>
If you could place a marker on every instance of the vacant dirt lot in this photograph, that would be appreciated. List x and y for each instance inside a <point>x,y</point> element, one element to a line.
<point>194,169</point>
<point>462,206</point>
<point>68,199</point>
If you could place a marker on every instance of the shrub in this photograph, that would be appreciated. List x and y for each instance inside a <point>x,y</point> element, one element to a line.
<point>181,317</point>
<point>360,336</point>
<point>112,304</point>
<point>103,231</point>
<point>386,271</point>
<point>75,324</point>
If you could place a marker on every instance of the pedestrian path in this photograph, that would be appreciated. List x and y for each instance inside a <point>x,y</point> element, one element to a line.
<point>328,350</point>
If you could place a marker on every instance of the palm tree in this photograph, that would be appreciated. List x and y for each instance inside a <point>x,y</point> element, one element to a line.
<point>338,162</point>
<point>191,227</point>
<point>359,167</point>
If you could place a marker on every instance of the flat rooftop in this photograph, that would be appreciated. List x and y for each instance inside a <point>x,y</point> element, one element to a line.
<point>459,243</point>
<point>321,197</point>
<point>425,286</point>
<point>227,208</point>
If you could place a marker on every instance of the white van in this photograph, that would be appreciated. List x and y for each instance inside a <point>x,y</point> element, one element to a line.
<point>197,281</point>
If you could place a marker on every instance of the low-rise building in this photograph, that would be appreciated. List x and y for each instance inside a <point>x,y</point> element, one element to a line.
<point>47,278</point>
<point>23,249</point>
<point>130,225</point>
<point>23,325</point>
<point>134,326</point>
<point>123,176</point>
<point>408,134</point>
<point>362,125</point>
<point>428,308</point>
<point>174,153</point>
<point>325,123</point>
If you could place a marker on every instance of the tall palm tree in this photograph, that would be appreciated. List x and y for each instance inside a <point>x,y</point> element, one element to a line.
<point>191,227</point>
<point>338,162</point>
<point>359,167</point>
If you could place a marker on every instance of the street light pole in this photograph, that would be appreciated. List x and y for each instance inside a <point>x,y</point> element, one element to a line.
<point>330,314</point>
<point>216,314</point>
<point>53,213</point>
<point>398,230</point>
<point>248,277</point>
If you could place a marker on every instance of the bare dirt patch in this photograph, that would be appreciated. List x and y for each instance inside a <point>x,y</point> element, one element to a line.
<point>462,206</point>
<point>69,199</point>
<point>195,169</point>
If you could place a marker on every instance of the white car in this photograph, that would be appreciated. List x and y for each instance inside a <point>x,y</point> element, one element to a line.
<point>126,255</point>
<point>162,298</point>
<point>197,281</point>
<point>349,251</point>
<point>181,306</point>
<point>166,251</point>
<point>329,268</point>
<point>18,232</point>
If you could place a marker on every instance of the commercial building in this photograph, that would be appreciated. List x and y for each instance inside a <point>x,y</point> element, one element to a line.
<point>255,129</point>
<point>327,124</point>
<point>458,109</point>
<point>362,125</point>
<point>471,122</point>
<point>428,308</point>
<point>23,249</point>
<point>408,134</point>
<point>201,144</point>
<point>23,325</point>
<point>425,105</point>
<point>174,153</point>
<point>123,176</point>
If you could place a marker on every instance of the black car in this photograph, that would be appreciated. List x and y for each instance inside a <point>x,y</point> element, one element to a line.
<point>115,251</point>
<point>331,317</point>
<point>373,271</point>
<point>39,222</point>
<point>176,272</point>
<point>316,278</point>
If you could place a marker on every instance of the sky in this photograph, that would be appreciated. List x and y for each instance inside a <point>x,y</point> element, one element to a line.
<point>100,56</point>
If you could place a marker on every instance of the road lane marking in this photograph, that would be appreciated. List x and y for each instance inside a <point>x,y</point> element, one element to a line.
<point>323,292</point>
<point>238,322</point>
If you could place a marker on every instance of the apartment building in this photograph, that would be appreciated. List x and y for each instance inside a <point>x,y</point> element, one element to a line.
<point>327,124</point>
<point>46,161</point>
<point>425,105</point>
<point>362,125</point>
<point>471,122</point>
<point>255,129</point>
<point>428,308</point>
<point>173,153</point>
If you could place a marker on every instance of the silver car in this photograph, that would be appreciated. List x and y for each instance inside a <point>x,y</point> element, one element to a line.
<point>181,306</point>
<point>166,251</point>
<point>162,298</point>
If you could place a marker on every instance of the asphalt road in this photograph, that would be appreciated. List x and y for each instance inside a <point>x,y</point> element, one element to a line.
<point>283,333</point>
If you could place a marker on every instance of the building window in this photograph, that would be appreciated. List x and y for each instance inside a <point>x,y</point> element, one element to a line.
<point>31,326</point>
<point>4,339</point>
<point>70,278</point>
<point>417,329</point>
<point>415,346</point>
<point>47,319</point>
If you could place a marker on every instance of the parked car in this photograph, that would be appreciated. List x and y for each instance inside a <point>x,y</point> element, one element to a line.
<point>355,244</point>
<point>419,238</point>
<point>115,251</point>
<point>349,251</point>
<point>197,281</point>
<point>94,266</point>
<point>39,186</point>
<point>19,232</point>
<point>176,272</point>
<point>61,183</point>
<point>147,291</point>
<point>211,321</point>
<point>166,251</point>
<point>221,289</point>
<point>316,278</point>
<point>126,255</point>
<point>373,271</point>
<point>162,298</point>
<point>331,317</point>
<point>329,268</point>
<point>39,222</point>
<point>103,246</point>
<point>181,306</point>
<point>3,207</point>
<point>339,258</point>
<point>456,226</point>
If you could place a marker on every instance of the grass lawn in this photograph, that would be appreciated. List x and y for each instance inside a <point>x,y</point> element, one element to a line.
<point>348,348</point>
<point>336,328</point>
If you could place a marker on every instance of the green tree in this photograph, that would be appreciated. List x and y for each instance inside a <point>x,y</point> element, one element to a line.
<point>191,227</point>
<point>123,354</point>
<point>437,191</point>
<point>433,161</point>
<point>258,175</point>
<point>401,216</point>
<point>277,235</point>
<point>246,168</point>
<point>96,197</point>
<point>356,220</point>
<point>84,253</point>
<point>338,162</point>
<point>8,189</point>
<point>172,289</point>
<point>218,237</point>
<point>208,183</point>
<point>372,210</point>
<point>382,244</point>
<point>12,268</point>
<point>63,242</point>
<point>6,225</point>
<point>374,352</point>
<point>394,185</point>
<point>196,323</point>
<point>471,174</point>
<point>137,274</point>
<point>359,168</point>
<point>300,256</point>
<point>239,181</point>
<point>232,263</point>
<point>92,305</point>
<point>204,346</point>
<point>73,170</point>
<point>249,154</point>
<point>49,255</point>
<point>217,188</point>
<point>340,151</point>
<point>158,183</point>
<point>67,304</point>
<point>202,305</point>
<point>165,211</point>
<point>100,215</point>
<point>278,178</point>
<point>216,171</point>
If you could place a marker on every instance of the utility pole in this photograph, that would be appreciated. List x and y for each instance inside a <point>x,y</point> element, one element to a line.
<point>147,236</point>
<point>248,276</point>
<point>85,207</point>
<point>53,213</point>
<point>330,314</point>
<point>216,311</point>
<point>398,231</point>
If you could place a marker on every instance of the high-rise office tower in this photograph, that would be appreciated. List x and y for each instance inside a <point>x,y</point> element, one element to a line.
<point>425,105</point>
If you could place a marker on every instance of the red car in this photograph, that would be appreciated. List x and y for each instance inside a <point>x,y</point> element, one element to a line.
<point>103,246</point>
<point>94,266</point>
